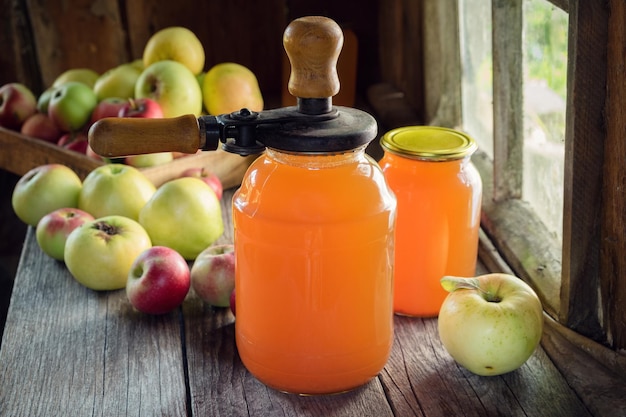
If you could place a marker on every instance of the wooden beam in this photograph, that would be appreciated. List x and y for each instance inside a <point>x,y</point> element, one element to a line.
<point>612,236</point>
<point>584,157</point>
<point>507,99</point>
<point>442,69</point>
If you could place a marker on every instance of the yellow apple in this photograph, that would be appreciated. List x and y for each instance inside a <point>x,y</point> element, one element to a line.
<point>228,87</point>
<point>100,253</point>
<point>82,75</point>
<point>175,43</point>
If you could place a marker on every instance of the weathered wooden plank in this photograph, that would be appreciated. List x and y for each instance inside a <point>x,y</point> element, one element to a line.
<point>71,351</point>
<point>584,157</point>
<point>612,236</point>
<point>400,46</point>
<point>422,379</point>
<point>77,34</point>
<point>507,99</point>
<point>22,153</point>
<point>597,373</point>
<point>18,62</point>
<point>442,68</point>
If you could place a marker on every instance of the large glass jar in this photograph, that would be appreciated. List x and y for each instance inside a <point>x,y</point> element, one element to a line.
<point>314,253</point>
<point>439,196</point>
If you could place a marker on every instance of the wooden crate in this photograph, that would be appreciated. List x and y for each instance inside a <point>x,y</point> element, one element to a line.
<point>20,153</point>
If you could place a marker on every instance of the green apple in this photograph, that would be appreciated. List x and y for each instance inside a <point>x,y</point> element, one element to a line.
<point>100,253</point>
<point>71,105</point>
<point>184,214</point>
<point>44,189</point>
<point>115,189</point>
<point>44,100</point>
<point>86,76</point>
<point>149,159</point>
<point>117,82</point>
<point>173,86</point>
<point>490,324</point>
<point>175,43</point>
<point>54,228</point>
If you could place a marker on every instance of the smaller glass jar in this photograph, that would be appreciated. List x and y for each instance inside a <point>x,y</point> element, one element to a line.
<point>439,194</point>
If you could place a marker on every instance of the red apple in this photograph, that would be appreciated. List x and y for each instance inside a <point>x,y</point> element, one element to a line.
<point>74,141</point>
<point>207,176</point>
<point>79,145</point>
<point>54,228</point>
<point>107,107</point>
<point>213,274</point>
<point>17,103</point>
<point>141,107</point>
<point>92,154</point>
<point>40,126</point>
<point>158,281</point>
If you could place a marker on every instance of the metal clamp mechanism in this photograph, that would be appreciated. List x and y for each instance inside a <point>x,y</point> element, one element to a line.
<point>238,130</point>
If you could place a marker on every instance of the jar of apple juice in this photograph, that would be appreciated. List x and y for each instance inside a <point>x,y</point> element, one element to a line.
<point>314,233</point>
<point>314,245</point>
<point>439,194</point>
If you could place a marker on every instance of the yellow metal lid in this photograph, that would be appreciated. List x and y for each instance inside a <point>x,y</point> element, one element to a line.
<point>428,143</point>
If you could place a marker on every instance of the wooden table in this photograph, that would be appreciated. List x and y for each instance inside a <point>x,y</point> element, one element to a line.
<point>69,351</point>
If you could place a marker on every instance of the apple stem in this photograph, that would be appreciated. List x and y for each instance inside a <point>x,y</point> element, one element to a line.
<point>452,284</point>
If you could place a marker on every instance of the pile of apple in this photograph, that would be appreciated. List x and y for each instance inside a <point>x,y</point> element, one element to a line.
<point>168,81</point>
<point>115,230</point>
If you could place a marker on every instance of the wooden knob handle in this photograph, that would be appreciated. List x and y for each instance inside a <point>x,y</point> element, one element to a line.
<point>122,136</point>
<point>313,44</point>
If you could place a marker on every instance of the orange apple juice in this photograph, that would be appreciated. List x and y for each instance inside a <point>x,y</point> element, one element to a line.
<point>314,249</point>
<point>439,199</point>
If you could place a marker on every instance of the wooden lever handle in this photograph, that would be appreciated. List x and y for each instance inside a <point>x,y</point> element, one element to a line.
<point>122,136</point>
<point>313,44</point>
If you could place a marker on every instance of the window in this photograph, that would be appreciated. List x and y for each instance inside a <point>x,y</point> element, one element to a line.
<point>544,48</point>
<point>513,100</point>
<point>553,171</point>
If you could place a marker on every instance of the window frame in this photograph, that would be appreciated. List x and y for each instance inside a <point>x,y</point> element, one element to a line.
<point>582,283</point>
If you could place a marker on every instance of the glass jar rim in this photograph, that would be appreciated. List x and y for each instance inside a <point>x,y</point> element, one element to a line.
<point>430,143</point>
